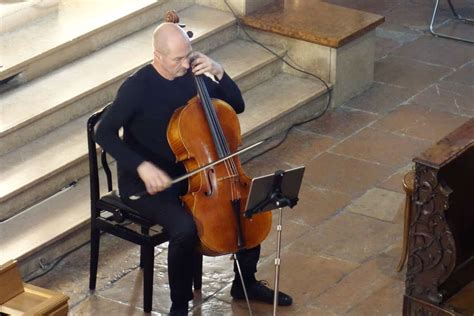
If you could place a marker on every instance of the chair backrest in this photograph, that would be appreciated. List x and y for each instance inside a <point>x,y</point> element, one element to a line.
<point>93,163</point>
<point>111,202</point>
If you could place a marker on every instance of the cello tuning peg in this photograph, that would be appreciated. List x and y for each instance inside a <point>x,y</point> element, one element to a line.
<point>172,16</point>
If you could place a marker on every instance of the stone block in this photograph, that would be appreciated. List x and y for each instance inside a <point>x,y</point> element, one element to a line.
<point>357,286</point>
<point>381,147</point>
<point>340,123</point>
<point>378,203</point>
<point>344,174</point>
<point>352,68</point>
<point>346,237</point>
<point>420,121</point>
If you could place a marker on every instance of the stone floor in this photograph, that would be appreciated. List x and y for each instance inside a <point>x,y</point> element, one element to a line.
<point>341,243</point>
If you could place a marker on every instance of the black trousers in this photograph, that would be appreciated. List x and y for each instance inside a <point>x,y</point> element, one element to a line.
<point>166,209</point>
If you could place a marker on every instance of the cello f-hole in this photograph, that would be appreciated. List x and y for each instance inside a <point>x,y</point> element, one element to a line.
<point>209,191</point>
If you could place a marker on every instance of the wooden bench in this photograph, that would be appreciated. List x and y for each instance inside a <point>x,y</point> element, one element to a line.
<point>18,298</point>
<point>440,268</point>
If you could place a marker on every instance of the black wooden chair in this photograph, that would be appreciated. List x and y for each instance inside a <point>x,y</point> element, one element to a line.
<point>109,214</point>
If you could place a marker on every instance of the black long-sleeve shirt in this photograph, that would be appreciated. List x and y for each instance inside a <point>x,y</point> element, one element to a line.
<point>143,107</point>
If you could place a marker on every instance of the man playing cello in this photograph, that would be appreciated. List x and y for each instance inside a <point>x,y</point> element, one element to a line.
<point>143,107</point>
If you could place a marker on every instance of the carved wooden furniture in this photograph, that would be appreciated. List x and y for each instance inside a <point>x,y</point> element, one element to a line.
<point>408,186</point>
<point>109,214</point>
<point>441,238</point>
<point>18,298</point>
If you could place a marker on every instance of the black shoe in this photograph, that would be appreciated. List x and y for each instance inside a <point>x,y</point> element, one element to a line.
<point>178,310</point>
<point>259,291</point>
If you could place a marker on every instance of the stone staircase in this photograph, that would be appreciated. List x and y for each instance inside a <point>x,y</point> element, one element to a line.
<point>53,77</point>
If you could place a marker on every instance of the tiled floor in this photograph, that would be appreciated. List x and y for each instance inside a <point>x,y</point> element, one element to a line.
<point>342,242</point>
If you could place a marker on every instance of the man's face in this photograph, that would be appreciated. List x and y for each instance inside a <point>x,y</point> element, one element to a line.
<point>177,61</point>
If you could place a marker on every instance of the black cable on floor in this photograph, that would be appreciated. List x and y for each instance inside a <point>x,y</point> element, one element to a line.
<point>53,265</point>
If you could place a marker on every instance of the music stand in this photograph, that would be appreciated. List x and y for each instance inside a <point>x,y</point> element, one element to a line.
<point>270,192</point>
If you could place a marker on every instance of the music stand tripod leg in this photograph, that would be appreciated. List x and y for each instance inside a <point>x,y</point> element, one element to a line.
<point>234,256</point>
<point>277,260</point>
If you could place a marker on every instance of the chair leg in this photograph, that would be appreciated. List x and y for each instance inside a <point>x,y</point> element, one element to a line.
<point>94,259</point>
<point>435,10</point>
<point>145,231</point>
<point>142,254</point>
<point>148,256</point>
<point>457,15</point>
<point>432,30</point>
<point>197,274</point>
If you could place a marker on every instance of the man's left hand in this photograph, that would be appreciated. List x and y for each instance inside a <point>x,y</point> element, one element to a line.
<point>201,64</point>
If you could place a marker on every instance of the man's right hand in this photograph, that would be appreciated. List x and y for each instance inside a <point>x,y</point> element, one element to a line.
<point>155,179</point>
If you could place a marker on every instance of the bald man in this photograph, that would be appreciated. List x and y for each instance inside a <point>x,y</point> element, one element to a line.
<point>143,107</point>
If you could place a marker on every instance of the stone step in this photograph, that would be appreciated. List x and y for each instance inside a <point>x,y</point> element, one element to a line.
<point>34,172</point>
<point>26,235</point>
<point>16,14</point>
<point>47,230</point>
<point>274,99</point>
<point>75,29</point>
<point>248,63</point>
<point>46,103</point>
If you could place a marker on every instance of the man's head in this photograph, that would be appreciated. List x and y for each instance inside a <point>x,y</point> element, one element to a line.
<point>171,51</point>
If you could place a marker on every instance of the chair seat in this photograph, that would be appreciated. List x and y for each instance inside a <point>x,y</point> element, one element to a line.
<point>119,219</point>
<point>112,203</point>
<point>113,198</point>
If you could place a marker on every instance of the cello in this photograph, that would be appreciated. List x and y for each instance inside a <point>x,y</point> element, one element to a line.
<point>200,132</point>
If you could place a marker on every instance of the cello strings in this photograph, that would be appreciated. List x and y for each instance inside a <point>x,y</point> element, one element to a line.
<point>205,107</point>
<point>216,131</point>
<point>221,134</point>
<point>215,121</point>
<point>211,121</point>
<point>230,164</point>
<point>212,116</point>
